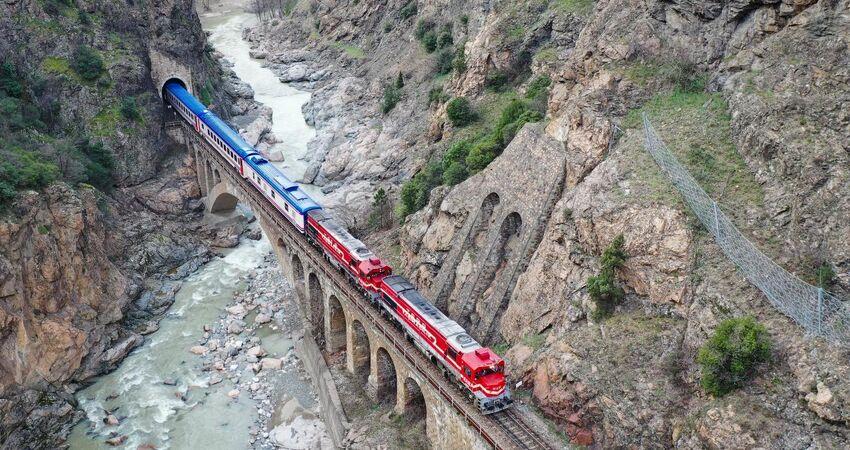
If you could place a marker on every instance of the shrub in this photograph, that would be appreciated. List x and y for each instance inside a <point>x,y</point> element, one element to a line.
<point>388,27</point>
<point>732,355</point>
<point>423,26</point>
<point>100,163</point>
<point>87,63</point>
<point>407,11</point>
<point>392,95</point>
<point>603,288</point>
<point>436,95</point>
<point>825,276</point>
<point>85,19</point>
<point>10,81</point>
<point>459,61</point>
<point>129,109</point>
<point>482,154</point>
<point>464,20</point>
<point>399,81</point>
<point>416,191</point>
<point>7,194</point>
<point>429,42</point>
<point>496,81</point>
<point>443,62</point>
<point>445,38</point>
<point>460,112</point>
<point>538,87</point>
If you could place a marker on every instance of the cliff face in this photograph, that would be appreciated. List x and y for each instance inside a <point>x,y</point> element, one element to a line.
<point>750,95</point>
<point>84,273</point>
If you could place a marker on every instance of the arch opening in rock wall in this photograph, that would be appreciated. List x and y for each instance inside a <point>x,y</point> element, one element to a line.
<point>316,308</point>
<point>359,352</point>
<point>335,326</point>
<point>222,201</point>
<point>471,246</point>
<point>504,251</point>
<point>385,382</point>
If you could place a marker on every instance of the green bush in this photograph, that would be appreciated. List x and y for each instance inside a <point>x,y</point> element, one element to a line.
<point>460,112</point>
<point>100,163</point>
<point>443,62</point>
<point>482,153</point>
<point>416,191</point>
<point>445,39</point>
<point>459,61</point>
<point>87,63</point>
<point>388,27</point>
<point>129,109</point>
<point>423,26</point>
<point>496,81</point>
<point>407,11</point>
<point>603,288</point>
<point>429,42</point>
<point>464,20</point>
<point>10,82</point>
<point>392,95</point>
<point>436,95</point>
<point>7,194</point>
<point>538,92</point>
<point>825,276</point>
<point>85,19</point>
<point>732,355</point>
<point>399,81</point>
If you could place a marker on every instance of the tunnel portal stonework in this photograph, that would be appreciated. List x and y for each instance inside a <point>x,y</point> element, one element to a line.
<point>334,320</point>
<point>164,68</point>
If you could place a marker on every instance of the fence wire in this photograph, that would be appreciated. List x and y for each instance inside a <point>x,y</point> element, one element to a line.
<point>819,312</point>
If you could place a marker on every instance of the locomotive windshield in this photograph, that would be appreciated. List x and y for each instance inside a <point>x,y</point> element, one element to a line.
<point>488,371</point>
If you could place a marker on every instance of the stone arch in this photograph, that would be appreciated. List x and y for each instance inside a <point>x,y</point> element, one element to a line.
<point>316,308</point>
<point>359,351</point>
<point>297,274</point>
<point>284,249</point>
<point>334,325</point>
<point>216,176</point>
<point>385,379</point>
<point>208,175</point>
<point>219,199</point>
<point>412,401</point>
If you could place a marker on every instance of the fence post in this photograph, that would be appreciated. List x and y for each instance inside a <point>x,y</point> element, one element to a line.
<point>716,220</point>
<point>820,312</point>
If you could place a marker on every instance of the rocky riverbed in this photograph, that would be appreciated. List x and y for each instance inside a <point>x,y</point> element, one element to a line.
<point>219,372</point>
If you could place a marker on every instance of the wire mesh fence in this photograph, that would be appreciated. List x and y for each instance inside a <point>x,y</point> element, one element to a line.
<point>819,312</point>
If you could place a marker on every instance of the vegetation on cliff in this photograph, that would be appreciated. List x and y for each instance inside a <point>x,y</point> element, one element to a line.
<point>731,356</point>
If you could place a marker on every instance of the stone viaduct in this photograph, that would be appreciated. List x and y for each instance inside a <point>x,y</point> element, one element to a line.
<point>337,318</point>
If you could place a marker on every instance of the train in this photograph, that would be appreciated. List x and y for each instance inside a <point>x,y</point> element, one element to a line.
<point>475,369</point>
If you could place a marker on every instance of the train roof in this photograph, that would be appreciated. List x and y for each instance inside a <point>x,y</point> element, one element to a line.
<point>227,134</point>
<point>355,246</point>
<point>290,190</point>
<point>454,333</point>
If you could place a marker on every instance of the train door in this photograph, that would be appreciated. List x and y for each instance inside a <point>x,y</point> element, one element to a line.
<point>242,167</point>
<point>197,124</point>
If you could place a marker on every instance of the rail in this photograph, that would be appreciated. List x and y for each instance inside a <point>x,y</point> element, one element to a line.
<point>474,419</point>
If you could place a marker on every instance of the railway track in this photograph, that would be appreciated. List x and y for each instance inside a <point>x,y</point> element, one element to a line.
<point>521,435</point>
<point>508,423</point>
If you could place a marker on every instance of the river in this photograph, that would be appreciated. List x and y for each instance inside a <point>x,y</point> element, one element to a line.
<point>159,392</point>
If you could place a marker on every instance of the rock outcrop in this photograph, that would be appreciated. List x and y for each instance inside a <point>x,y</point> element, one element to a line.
<point>751,96</point>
